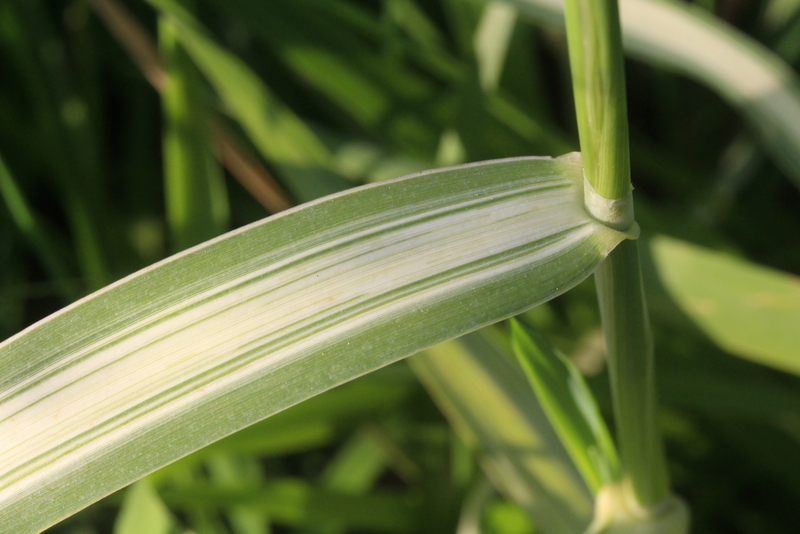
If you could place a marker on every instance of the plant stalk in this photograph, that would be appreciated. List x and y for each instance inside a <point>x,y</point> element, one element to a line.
<point>630,358</point>
<point>598,81</point>
<point>596,61</point>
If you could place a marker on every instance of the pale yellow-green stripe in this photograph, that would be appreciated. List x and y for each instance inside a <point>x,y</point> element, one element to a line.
<point>209,341</point>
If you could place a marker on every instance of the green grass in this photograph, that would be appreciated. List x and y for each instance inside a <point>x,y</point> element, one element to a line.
<point>102,175</point>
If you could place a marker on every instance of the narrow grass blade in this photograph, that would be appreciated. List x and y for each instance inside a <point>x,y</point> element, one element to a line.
<point>296,503</point>
<point>132,35</point>
<point>374,88</point>
<point>197,204</point>
<point>354,470</point>
<point>36,235</point>
<point>212,340</point>
<point>66,144</point>
<point>227,470</point>
<point>688,40</point>
<point>276,131</point>
<point>749,310</point>
<point>569,405</point>
<point>492,39</point>
<point>143,511</point>
<point>494,410</point>
<point>356,466</point>
<point>475,502</point>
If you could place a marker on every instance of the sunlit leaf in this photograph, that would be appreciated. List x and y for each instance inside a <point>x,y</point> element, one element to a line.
<point>209,341</point>
<point>749,310</point>
<point>569,405</point>
<point>143,511</point>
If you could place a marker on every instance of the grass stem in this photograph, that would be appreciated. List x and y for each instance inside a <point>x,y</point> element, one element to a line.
<point>596,61</point>
<point>630,357</point>
<point>598,81</point>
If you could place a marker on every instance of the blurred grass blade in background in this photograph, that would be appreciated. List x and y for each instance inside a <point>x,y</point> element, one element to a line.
<point>749,310</point>
<point>36,234</point>
<point>299,504</point>
<point>134,38</point>
<point>65,137</point>
<point>492,39</point>
<point>143,511</point>
<point>197,203</point>
<point>569,405</point>
<point>494,410</point>
<point>212,340</point>
<point>281,136</point>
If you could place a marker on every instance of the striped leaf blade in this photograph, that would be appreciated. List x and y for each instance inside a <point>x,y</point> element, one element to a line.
<point>211,340</point>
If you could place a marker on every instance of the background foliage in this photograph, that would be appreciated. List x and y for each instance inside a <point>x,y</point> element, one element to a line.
<point>110,161</point>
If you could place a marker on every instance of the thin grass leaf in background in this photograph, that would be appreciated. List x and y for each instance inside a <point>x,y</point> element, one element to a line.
<point>63,135</point>
<point>251,174</point>
<point>279,134</point>
<point>494,410</point>
<point>233,471</point>
<point>492,40</point>
<point>197,203</point>
<point>569,405</point>
<point>749,310</point>
<point>143,511</point>
<point>30,225</point>
<point>296,503</point>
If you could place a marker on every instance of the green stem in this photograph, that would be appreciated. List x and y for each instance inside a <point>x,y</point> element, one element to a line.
<point>598,80</point>
<point>630,357</point>
<point>596,61</point>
